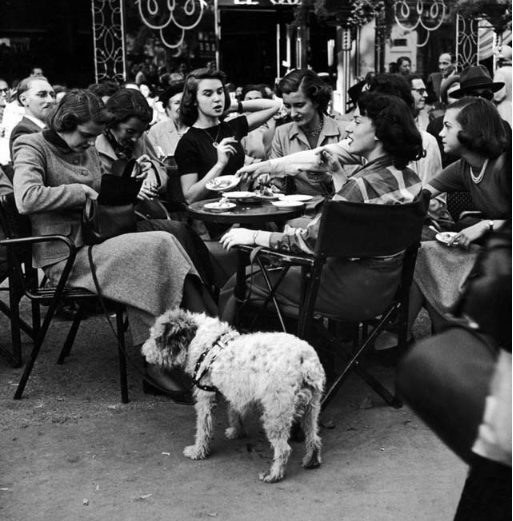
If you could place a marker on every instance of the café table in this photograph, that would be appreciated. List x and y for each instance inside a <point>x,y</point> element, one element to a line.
<point>244,213</point>
<point>249,214</point>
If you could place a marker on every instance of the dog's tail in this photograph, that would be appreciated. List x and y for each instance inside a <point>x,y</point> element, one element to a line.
<point>313,374</point>
<point>314,380</point>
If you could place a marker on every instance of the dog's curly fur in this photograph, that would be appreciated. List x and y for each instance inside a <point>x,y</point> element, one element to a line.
<point>277,371</point>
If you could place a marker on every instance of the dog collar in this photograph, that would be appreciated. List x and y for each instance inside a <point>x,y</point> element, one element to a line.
<point>221,342</point>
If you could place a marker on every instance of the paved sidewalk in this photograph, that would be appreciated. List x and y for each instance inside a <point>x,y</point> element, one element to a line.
<point>72,451</point>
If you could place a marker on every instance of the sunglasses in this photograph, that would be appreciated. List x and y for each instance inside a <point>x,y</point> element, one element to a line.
<point>4,90</point>
<point>420,91</point>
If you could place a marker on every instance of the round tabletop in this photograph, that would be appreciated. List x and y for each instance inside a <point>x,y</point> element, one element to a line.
<point>243,213</point>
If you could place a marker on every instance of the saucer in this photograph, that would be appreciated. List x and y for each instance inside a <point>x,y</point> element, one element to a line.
<point>219,207</point>
<point>283,203</point>
<point>445,237</point>
<point>225,182</point>
<point>297,197</point>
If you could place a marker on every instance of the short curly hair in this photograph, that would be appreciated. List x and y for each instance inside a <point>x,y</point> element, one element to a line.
<point>129,103</point>
<point>188,106</point>
<point>482,128</point>
<point>312,86</point>
<point>79,106</point>
<point>395,126</point>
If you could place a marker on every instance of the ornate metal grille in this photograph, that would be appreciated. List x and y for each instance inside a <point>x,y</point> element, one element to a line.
<point>109,40</point>
<point>467,40</point>
<point>411,15</point>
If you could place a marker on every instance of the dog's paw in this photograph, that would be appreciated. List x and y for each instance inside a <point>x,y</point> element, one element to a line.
<point>232,433</point>
<point>268,477</point>
<point>312,461</point>
<point>192,452</point>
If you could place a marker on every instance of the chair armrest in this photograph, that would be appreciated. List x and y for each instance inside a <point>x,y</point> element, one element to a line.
<point>28,241</point>
<point>40,238</point>
<point>470,213</point>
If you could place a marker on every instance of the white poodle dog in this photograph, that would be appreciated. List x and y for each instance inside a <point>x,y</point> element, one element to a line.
<point>276,371</point>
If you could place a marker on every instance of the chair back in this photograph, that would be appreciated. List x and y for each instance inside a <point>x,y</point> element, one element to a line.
<point>22,276</point>
<point>16,226</point>
<point>370,230</point>
<point>459,202</point>
<point>13,224</point>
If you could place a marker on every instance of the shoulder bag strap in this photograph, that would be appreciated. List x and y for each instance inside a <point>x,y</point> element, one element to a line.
<point>106,313</point>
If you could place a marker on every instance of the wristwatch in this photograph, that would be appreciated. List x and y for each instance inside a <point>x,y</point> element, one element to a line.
<point>490,225</point>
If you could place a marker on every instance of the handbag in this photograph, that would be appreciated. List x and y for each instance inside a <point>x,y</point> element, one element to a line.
<point>101,222</point>
<point>153,209</point>
<point>112,213</point>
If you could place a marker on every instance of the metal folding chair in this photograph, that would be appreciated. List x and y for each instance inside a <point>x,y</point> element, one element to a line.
<point>347,230</point>
<point>24,282</point>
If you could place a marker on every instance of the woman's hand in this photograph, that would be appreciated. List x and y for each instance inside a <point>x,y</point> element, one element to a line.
<point>467,236</point>
<point>251,172</point>
<point>225,149</point>
<point>90,193</point>
<point>330,163</point>
<point>145,167</point>
<point>148,191</point>
<point>238,236</point>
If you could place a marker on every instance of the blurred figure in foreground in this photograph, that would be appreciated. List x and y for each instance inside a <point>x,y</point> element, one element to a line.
<point>459,383</point>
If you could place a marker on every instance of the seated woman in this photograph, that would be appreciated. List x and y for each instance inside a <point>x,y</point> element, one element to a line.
<point>306,98</point>
<point>384,132</point>
<point>55,172</point>
<point>426,167</point>
<point>212,148</point>
<point>125,137</point>
<point>474,131</point>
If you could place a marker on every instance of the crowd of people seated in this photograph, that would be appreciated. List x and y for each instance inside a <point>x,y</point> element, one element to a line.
<point>58,148</point>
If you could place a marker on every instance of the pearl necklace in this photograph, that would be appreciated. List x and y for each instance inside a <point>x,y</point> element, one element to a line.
<point>479,178</point>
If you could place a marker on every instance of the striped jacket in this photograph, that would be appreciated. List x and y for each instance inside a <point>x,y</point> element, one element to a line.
<point>378,182</point>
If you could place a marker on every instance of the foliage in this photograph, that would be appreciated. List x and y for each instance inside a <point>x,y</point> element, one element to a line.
<point>363,11</point>
<point>347,13</point>
<point>497,12</point>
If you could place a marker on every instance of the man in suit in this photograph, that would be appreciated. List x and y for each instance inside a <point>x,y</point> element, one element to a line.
<point>446,67</point>
<point>37,96</point>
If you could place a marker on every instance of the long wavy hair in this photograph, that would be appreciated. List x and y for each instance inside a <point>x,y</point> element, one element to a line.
<point>78,106</point>
<point>310,84</point>
<point>189,106</point>
<point>482,129</point>
<point>395,126</point>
